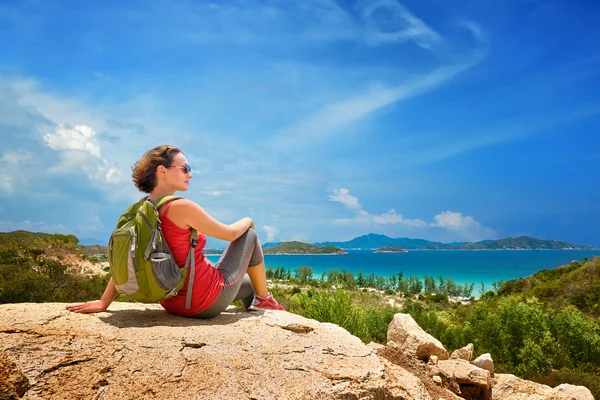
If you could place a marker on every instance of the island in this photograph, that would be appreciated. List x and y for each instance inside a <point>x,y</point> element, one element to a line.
<point>295,248</point>
<point>391,249</point>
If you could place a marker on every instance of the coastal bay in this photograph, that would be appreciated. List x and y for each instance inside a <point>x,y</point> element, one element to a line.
<point>462,266</point>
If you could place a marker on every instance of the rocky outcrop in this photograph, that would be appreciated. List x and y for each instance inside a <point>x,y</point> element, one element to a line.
<point>509,387</point>
<point>405,333</point>
<point>139,351</point>
<point>13,383</point>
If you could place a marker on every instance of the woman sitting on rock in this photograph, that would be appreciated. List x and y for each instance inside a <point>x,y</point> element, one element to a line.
<point>240,272</point>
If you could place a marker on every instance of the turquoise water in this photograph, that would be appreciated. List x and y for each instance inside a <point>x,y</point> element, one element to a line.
<point>461,266</point>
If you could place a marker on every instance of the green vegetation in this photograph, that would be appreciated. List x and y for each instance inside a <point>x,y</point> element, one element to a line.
<point>520,243</point>
<point>32,269</point>
<point>577,284</point>
<point>302,248</point>
<point>22,239</point>
<point>543,328</point>
<point>395,248</point>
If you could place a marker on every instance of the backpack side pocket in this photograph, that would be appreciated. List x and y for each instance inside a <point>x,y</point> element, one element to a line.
<point>166,272</point>
<point>121,257</point>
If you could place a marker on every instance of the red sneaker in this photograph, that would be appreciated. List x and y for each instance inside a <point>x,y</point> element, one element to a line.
<point>265,303</point>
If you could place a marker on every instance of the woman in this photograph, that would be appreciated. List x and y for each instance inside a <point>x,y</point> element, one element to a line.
<point>239,273</point>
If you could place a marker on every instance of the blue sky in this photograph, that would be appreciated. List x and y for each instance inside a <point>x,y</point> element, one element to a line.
<point>323,120</point>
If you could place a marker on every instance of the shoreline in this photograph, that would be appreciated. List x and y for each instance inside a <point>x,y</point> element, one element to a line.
<point>388,252</point>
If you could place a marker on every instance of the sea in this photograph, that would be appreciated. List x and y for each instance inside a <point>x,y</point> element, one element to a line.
<point>462,266</point>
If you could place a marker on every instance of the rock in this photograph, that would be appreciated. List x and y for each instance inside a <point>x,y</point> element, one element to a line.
<point>375,346</point>
<point>437,379</point>
<point>485,361</point>
<point>507,386</point>
<point>140,351</point>
<point>450,395</point>
<point>433,360</point>
<point>403,384</point>
<point>466,353</point>
<point>465,373</point>
<point>13,383</point>
<point>406,334</point>
<point>572,392</point>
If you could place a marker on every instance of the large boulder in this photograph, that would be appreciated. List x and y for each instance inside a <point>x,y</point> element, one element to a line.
<point>406,334</point>
<point>484,361</point>
<point>465,373</point>
<point>465,353</point>
<point>510,387</point>
<point>139,351</point>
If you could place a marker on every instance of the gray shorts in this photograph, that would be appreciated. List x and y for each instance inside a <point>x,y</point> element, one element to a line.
<point>241,254</point>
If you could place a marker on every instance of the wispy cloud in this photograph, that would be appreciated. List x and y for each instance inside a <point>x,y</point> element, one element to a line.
<point>388,21</point>
<point>15,157</point>
<point>9,226</point>
<point>215,192</point>
<point>331,119</point>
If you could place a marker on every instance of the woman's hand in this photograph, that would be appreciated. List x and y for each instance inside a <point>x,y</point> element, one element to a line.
<point>93,307</point>
<point>250,222</point>
<point>97,306</point>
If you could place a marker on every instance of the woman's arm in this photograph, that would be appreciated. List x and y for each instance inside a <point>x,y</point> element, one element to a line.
<point>97,306</point>
<point>187,214</point>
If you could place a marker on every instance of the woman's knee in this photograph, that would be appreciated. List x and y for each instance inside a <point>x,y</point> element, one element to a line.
<point>250,235</point>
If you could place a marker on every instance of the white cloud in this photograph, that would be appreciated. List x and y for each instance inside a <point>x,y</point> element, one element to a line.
<point>343,196</point>
<point>9,226</point>
<point>16,156</point>
<point>6,184</point>
<point>114,175</point>
<point>391,217</point>
<point>81,137</point>
<point>390,22</point>
<point>455,221</point>
<point>75,147</point>
<point>271,231</point>
<point>215,192</point>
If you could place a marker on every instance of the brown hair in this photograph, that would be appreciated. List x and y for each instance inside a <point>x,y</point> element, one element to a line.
<point>144,171</point>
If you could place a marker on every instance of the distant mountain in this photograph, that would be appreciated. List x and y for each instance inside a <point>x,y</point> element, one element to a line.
<point>374,241</point>
<point>93,241</point>
<point>269,245</point>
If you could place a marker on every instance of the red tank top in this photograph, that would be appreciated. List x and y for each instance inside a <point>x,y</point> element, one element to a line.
<point>208,281</point>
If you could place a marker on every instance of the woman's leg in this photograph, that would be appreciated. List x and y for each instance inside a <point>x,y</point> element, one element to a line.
<point>242,255</point>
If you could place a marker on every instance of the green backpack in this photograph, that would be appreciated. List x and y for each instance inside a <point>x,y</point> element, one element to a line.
<point>141,264</point>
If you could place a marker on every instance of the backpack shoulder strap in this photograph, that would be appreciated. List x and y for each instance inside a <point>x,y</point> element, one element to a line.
<point>161,201</point>
<point>130,212</point>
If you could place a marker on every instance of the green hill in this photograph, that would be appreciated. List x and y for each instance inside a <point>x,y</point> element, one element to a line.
<point>577,284</point>
<point>302,248</point>
<point>521,243</point>
<point>35,267</point>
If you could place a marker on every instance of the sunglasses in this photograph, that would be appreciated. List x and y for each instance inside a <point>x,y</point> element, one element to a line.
<point>186,168</point>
